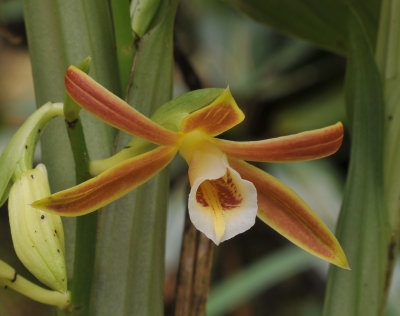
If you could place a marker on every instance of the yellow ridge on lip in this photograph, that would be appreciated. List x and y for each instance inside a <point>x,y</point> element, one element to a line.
<point>212,198</point>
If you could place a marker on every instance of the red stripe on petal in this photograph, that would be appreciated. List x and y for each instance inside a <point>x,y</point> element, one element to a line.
<point>282,209</point>
<point>108,107</point>
<point>216,118</point>
<point>109,185</point>
<point>303,146</point>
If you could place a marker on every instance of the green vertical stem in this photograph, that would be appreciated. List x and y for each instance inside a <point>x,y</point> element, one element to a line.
<point>86,226</point>
<point>387,57</point>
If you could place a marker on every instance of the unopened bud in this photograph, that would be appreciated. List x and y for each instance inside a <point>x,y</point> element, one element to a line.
<point>38,237</point>
<point>142,13</point>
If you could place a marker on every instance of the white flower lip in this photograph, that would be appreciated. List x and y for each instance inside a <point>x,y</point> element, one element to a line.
<point>221,204</point>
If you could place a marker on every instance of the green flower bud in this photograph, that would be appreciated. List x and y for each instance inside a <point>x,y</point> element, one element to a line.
<point>142,13</point>
<point>38,237</point>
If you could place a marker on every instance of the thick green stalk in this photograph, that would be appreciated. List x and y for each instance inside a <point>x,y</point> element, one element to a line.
<point>387,57</point>
<point>86,226</point>
<point>361,228</point>
<point>61,33</point>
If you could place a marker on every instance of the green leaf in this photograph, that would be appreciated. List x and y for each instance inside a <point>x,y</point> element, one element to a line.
<point>130,252</point>
<point>258,277</point>
<point>316,21</point>
<point>361,227</point>
<point>368,11</point>
<point>61,33</point>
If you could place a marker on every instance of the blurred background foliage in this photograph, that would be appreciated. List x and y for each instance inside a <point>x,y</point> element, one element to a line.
<point>284,86</point>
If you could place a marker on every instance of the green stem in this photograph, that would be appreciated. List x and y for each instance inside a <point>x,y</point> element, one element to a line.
<point>86,226</point>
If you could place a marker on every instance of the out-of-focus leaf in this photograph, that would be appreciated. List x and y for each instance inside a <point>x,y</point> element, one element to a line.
<point>316,21</point>
<point>319,22</point>
<point>320,109</point>
<point>368,12</point>
<point>262,275</point>
<point>361,227</point>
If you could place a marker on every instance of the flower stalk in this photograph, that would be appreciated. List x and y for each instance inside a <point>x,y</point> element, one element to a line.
<point>9,278</point>
<point>195,269</point>
<point>86,226</point>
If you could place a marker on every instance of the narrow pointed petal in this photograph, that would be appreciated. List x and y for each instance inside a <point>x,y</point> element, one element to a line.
<point>283,210</point>
<point>215,118</point>
<point>298,147</point>
<point>109,108</point>
<point>109,185</point>
<point>221,203</point>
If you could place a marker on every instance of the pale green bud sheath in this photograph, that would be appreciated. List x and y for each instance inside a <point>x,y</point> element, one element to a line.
<point>9,278</point>
<point>38,237</point>
<point>142,13</point>
<point>17,157</point>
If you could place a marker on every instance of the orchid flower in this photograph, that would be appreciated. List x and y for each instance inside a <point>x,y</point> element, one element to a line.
<point>226,193</point>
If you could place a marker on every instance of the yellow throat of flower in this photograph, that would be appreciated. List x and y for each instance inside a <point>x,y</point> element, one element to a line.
<point>195,141</point>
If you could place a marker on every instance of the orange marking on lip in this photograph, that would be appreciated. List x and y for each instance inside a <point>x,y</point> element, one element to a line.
<point>221,193</point>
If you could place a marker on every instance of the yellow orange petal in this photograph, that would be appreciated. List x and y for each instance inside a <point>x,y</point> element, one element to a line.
<point>282,209</point>
<point>108,107</point>
<point>298,147</point>
<point>219,116</point>
<point>109,185</point>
